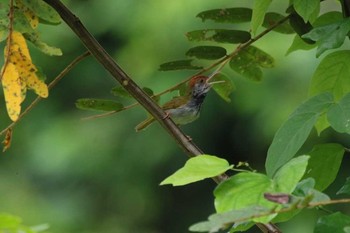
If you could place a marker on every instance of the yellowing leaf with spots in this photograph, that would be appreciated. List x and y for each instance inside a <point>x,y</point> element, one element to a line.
<point>20,73</point>
<point>18,43</point>
<point>12,86</point>
<point>29,14</point>
<point>27,72</point>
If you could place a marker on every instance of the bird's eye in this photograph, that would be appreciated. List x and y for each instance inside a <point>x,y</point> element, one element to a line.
<point>201,80</point>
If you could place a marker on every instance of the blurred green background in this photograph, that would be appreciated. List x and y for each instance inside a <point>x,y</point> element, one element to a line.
<point>99,175</point>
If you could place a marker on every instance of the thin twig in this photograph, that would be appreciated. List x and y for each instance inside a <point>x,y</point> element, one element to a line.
<point>50,86</point>
<point>9,39</point>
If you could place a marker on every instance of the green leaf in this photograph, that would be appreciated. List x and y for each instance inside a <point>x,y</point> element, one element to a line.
<point>328,18</point>
<point>339,115</point>
<point>332,75</point>
<point>225,89</point>
<point>248,63</point>
<point>43,47</point>
<point>288,176</point>
<point>305,188</point>
<point>179,65</point>
<point>219,35</point>
<point>20,22</point>
<point>198,168</point>
<point>228,15</point>
<point>300,27</point>
<point>299,44</point>
<point>243,190</point>
<point>307,9</point>
<point>120,92</point>
<point>324,163</point>
<point>330,36</point>
<point>43,10</point>
<point>346,187</point>
<point>271,18</point>
<point>259,10</point>
<point>334,223</point>
<point>222,221</point>
<point>206,52</point>
<point>98,105</point>
<point>293,133</point>
<point>3,33</point>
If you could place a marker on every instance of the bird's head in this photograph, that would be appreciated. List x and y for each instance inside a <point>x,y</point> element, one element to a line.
<point>199,85</point>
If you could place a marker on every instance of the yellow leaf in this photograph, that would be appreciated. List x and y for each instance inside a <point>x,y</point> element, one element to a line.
<point>12,86</point>
<point>27,72</point>
<point>18,43</point>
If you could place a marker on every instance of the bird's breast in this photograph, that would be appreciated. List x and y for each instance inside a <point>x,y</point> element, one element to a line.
<point>184,115</point>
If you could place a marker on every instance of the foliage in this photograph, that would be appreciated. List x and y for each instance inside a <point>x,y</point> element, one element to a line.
<point>292,182</point>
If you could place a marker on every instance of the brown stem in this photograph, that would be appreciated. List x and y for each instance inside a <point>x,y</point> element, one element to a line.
<point>118,74</point>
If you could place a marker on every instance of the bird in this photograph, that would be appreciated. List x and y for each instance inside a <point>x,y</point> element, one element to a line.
<point>185,109</point>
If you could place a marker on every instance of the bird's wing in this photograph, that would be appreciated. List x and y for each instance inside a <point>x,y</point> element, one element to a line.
<point>175,102</point>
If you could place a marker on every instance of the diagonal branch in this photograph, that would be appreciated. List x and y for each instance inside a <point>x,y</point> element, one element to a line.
<point>140,96</point>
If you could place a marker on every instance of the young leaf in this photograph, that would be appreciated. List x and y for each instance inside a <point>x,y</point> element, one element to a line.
<point>225,89</point>
<point>324,163</point>
<point>330,36</point>
<point>219,35</point>
<point>228,15</point>
<point>332,223</point>
<point>259,10</point>
<point>198,168</point>
<point>332,75</point>
<point>288,176</point>
<point>293,133</point>
<point>271,18</point>
<point>98,105</point>
<point>206,52</point>
<point>179,65</point>
<point>339,115</point>
<point>222,221</point>
<point>346,187</point>
<point>43,11</point>
<point>308,10</point>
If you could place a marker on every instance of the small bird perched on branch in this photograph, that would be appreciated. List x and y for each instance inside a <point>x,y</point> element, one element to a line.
<point>185,109</point>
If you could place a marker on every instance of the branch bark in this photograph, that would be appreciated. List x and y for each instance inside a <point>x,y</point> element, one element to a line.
<point>97,51</point>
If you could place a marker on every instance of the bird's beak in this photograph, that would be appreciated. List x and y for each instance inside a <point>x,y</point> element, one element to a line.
<point>216,82</point>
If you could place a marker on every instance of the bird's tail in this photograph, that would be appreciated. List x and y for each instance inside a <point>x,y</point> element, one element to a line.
<point>144,124</point>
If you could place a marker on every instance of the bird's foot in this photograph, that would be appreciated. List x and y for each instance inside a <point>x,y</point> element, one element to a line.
<point>167,115</point>
<point>188,138</point>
